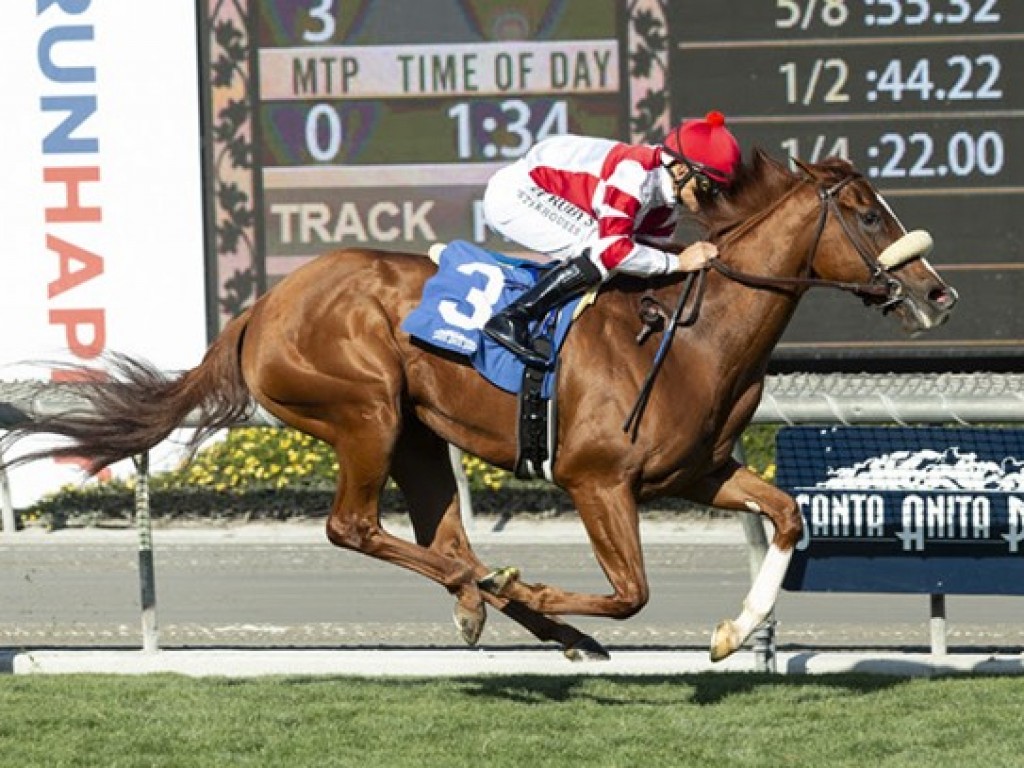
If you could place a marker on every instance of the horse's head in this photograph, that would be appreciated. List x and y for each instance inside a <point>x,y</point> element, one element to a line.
<point>846,236</point>
<point>860,243</point>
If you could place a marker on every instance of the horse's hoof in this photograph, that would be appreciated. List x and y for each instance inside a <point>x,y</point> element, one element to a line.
<point>725,641</point>
<point>587,649</point>
<point>470,622</point>
<point>496,582</point>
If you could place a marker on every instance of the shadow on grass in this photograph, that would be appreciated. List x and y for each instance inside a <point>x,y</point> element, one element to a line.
<point>705,689</point>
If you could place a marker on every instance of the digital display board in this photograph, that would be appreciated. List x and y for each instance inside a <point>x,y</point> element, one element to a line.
<point>334,123</point>
<point>382,131</point>
<point>922,96</point>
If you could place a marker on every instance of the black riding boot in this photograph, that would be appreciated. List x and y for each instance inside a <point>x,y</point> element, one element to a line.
<point>511,326</point>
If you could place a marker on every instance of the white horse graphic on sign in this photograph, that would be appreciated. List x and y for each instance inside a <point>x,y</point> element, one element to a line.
<point>929,470</point>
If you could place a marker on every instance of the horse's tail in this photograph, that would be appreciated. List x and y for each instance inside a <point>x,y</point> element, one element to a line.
<point>139,406</point>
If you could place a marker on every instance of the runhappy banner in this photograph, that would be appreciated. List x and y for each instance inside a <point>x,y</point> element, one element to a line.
<point>100,199</point>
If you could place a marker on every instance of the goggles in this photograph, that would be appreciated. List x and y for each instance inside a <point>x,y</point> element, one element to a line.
<point>710,181</point>
<point>706,177</point>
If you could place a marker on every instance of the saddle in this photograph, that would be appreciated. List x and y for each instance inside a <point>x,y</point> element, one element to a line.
<point>451,315</point>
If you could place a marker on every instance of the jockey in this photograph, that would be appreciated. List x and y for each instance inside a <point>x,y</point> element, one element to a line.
<point>584,201</point>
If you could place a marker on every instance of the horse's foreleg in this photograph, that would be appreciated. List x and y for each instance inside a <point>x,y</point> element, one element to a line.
<point>736,487</point>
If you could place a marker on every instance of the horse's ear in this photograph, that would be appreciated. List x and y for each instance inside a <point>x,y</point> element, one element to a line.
<point>761,161</point>
<point>805,167</point>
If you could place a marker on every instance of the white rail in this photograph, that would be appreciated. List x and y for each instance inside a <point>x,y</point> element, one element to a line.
<point>905,399</point>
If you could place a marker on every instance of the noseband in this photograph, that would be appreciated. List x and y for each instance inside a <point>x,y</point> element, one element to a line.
<point>880,284</point>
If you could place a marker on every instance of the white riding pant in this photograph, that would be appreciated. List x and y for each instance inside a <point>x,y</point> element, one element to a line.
<point>517,209</point>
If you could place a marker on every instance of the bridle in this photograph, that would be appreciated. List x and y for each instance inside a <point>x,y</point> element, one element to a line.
<point>880,283</point>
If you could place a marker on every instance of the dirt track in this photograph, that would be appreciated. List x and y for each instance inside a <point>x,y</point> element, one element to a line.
<point>286,586</point>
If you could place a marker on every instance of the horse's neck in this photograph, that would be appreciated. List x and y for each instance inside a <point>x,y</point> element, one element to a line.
<point>776,247</point>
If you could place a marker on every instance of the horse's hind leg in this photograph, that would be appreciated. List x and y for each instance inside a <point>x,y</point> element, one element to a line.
<point>364,436</point>
<point>422,469</point>
<point>612,522</point>
<point>354,523</point>
<point>337,375</point>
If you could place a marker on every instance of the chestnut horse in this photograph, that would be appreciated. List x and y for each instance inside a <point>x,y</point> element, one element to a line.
<point>324,353</point>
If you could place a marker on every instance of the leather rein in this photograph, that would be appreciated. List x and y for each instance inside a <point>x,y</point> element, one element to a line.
<point>880,284</point>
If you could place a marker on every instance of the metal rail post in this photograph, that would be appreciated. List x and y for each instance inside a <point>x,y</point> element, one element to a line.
<point>462,485</point>
<point>8,522</point>
<point>938,625</point>
<point>757,548</point>
<point>147,573</point>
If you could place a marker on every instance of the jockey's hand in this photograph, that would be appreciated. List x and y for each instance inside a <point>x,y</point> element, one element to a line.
<point>695,256</point>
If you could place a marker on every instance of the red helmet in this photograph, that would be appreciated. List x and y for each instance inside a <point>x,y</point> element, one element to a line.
<point>706,144</point>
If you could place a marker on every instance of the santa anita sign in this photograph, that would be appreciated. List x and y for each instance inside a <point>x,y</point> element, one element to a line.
<point>906,510</point>
<point>919,522</point>
<point>100,202</point>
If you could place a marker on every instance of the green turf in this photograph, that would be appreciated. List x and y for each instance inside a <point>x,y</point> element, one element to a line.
<point>521,722</point>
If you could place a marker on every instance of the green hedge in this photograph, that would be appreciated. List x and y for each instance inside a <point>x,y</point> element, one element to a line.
<point>278,474</point>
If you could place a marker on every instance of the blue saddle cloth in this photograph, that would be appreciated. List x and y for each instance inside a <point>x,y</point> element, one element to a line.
<point>471,284</point>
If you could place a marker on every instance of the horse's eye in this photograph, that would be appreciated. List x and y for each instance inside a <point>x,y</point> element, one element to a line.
<point>871,218</point>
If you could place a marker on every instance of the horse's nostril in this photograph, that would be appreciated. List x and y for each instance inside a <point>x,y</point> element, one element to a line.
<point>942,297</point>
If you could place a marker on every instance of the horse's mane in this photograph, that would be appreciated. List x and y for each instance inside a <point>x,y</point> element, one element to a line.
<point>757,184</point>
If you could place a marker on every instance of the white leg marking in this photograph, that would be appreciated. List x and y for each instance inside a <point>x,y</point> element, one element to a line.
<point>764,592</point>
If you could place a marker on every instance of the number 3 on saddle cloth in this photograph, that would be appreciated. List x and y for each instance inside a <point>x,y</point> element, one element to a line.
<point>472,284</point>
